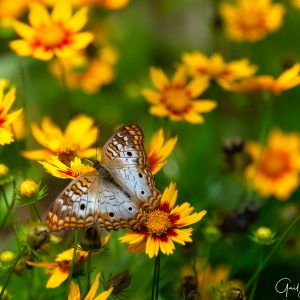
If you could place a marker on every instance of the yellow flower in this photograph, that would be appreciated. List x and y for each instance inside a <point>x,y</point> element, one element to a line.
<point>10,10</point>
<point>55,34</point>
<point>7,119</point>
<point>58,169</point>
<point>274,170</point>
<point>3,170</point>
<point>216,68</point>
<point>110,4</point>
<point>207,278</point>
<point>163,226</point>
<point>289,79</point>
<point>251,20</point>
<point>75,141</point>
<point>89,73</point>
<point>28,188</point>
<point>296,3</point>
<point>60,269</point>
<point>176,98</point>
<point>158,151</point>
<point>74,291</point>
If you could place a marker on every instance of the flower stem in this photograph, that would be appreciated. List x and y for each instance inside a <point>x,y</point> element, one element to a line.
<point>276,246</point>
<point>11,271</point>
<point>155,283</point>
<point>9,210</point>
<point>35,209</point>
<point>5,197</point>
<point>251,297</point>
<point>89,264</point>
<point>73,261</point>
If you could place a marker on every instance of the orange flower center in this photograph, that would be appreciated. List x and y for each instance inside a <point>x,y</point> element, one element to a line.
<point>52,36</point>
<point>158,222</point>
<point>274,164</point>
<point>177,99</point>
<point>66,155</point>
<point>251,20</point>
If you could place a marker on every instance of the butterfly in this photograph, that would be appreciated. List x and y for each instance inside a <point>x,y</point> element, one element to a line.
<point>117,195</point>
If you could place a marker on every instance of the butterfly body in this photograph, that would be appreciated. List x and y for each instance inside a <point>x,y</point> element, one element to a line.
<point>117,195</point>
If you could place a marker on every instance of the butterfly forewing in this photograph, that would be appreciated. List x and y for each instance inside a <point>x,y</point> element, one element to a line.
<point>125,158</point>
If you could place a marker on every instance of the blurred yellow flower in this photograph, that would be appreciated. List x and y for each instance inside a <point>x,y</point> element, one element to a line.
<point>251,20</point>
<point>75,141</point>
<point>110,4</point>
<point>28,188</point>
<point>176,98</point>
<point>74,291</point>
<point>296,3</point>
<point>207,277</point>
<point>163,226</point>
<point>58,169</point>
<point>10,10</point>
<point>3,170</point>
<point>216,68</point>
<point>289,79</point>
<point>158,151</point>
<point>275,167</point>
<point>60,269</point>
<point>55,34</point>
<point>89,73</point>
<point>7,119</point>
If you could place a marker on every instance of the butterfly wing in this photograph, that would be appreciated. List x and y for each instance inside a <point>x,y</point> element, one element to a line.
<point>125,159</point>
<point>90,199</point>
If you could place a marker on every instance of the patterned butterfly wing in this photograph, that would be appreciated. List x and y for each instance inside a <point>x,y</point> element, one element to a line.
<point>91,199</point>
<point>125,159</point>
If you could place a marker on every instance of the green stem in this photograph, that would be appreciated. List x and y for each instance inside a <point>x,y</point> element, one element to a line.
<point>11,271</point>
<point>157,276</point>
<point>73,261</point>
<point>35,209</point>
<point>89,264</point>
<point>154,279</point>
<point>9,210</point>
<point>267,259</point>
<point>5,197</point>
<point>251,297</point>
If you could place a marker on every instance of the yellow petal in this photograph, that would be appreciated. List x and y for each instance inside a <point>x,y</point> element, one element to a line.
<point>62,11</point>
<point>78,21</point>
<point>74,292</point>
<point>12,117</point>
<point>93,289</point>
<point>6,137</point>
<point>203,106</point>
<point>289,74</point>
<point>159,78</point>
<point>8,100</point>
<point>23,30</point>
<point>41,154</point>
<point>151,96</point>
<point>81,40</point>
<point>159,111</point>
<point>152,246</point>
<point>21,47</point>
<point>38,15</point>
<point>169,196</point>
<point>57,278</point>
<point>104,295</point>
<point>193,118</point>
<point>180,77</point>
<point>197,86</point>
<point>42,54</point>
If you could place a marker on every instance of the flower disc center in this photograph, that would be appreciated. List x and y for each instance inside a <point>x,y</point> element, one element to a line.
<point>177,99</point>
<point>52,36</point>
<point>158,222</point>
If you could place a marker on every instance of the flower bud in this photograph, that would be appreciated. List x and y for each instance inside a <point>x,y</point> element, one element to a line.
<point>3,170</point>
<point>212,233</point>
<point>38,236</point>
<point>28,188</point>
<point>264,236</point>
<point>7,257</point>
<point>119,282</point>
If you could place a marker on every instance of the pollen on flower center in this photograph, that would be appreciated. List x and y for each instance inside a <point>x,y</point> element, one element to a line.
<point>274,163</point>
<point>158,222</point>
<point>52,36</point>
<point>177,99</point>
